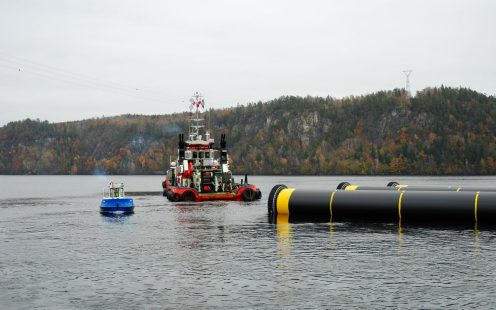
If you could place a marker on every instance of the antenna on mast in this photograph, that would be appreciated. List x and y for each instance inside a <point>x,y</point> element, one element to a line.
<point>407,85</point>
<point>196,101</point>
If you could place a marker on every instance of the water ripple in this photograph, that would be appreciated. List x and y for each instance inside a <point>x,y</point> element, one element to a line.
<point>61,253</point>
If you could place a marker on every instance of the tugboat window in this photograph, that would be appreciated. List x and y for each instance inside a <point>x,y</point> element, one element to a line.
<point>201,154</point>
<point>207,154</point>
<point>195,155</point>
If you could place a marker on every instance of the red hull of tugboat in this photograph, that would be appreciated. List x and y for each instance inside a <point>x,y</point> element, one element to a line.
<point>245,193</point>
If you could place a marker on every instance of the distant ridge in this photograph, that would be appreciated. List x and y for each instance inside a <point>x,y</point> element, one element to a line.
<point>439,131</point>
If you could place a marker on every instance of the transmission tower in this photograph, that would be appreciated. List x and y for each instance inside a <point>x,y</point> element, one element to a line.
<point>407,85</point>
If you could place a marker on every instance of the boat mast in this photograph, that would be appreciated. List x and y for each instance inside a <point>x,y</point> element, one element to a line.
<point>196,101</point>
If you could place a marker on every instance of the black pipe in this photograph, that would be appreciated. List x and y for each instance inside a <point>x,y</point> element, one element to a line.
<point>403,187</point>
<point>385,205</point>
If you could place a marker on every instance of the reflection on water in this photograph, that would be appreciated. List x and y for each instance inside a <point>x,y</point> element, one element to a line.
<point>119,218</point>
<point>284,223</point>
<point>400,232</point>
<point>283,236</point>
<point>477,242</point>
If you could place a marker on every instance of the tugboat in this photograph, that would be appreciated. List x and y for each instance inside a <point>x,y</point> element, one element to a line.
<point>114,200</point>
<point>201,171</point>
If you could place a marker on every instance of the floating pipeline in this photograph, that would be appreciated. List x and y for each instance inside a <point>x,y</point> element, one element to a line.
<point>395,186</point>
<point>441,207</point>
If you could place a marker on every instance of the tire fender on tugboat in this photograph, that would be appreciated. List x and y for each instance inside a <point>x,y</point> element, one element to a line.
<point>175,197</point>
<point>248,194</point>
<point>188,196</point>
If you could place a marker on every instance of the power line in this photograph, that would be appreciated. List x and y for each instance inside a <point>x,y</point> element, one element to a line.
<point>49,72</point>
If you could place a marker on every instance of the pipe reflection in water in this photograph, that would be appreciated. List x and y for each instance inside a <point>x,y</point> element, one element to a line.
<point>285,234</point>
<point>283,239</point>
<point>400,235</point>
<point>476,241</point>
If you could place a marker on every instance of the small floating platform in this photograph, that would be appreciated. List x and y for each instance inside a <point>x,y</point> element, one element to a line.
<point>114,200</point>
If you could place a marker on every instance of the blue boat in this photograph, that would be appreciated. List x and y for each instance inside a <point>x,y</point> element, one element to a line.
<point>115,201</point>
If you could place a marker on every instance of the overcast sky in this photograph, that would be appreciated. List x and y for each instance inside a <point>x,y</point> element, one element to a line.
<point>70,60</point>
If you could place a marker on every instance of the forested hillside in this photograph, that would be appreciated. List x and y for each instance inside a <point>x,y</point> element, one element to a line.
<point>439,131</point>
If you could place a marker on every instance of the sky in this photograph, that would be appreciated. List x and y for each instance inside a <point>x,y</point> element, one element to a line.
<point>63,60</point>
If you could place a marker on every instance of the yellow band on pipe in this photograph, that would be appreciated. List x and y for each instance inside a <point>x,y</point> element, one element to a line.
<point>330,203</point>
<point>351,188</point>
<point>282,202</point>
<point>282,219</point>
<point>400,200</point>
<point>475,205</point>
<point>399,187</point>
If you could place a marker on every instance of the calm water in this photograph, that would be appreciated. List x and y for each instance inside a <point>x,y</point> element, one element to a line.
<point>58,252</point>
